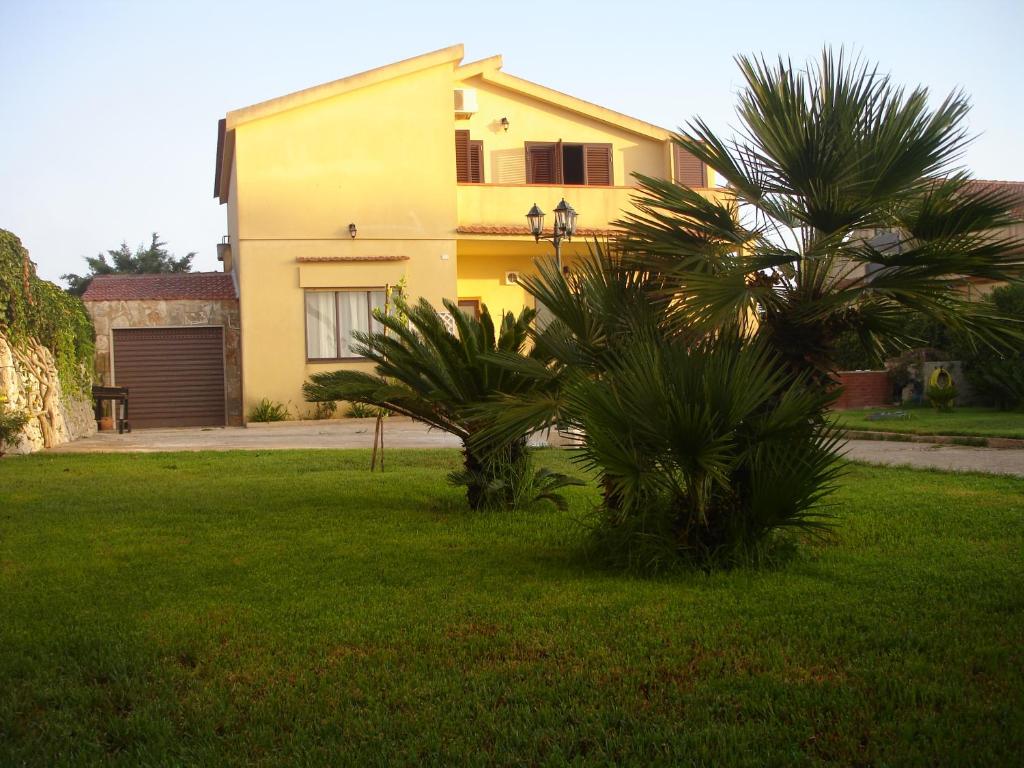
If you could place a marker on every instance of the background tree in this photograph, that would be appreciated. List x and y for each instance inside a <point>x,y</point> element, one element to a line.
<point>145,260</point>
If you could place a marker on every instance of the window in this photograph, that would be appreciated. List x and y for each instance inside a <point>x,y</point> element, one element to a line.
<point>469,159</point>
<point>332,316</point>
<point>561,163</point>
<point>470,308</point>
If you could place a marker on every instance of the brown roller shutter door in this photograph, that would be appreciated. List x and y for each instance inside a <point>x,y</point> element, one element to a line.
<point>175,376</point>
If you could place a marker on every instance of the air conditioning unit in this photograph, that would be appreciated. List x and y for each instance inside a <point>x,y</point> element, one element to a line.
<point>511,278</point>
<point>465,102</point>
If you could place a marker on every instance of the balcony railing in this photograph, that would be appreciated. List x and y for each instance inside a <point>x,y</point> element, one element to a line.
<point>502,207</point>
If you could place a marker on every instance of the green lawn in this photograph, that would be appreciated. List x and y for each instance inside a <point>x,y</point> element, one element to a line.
<point>928,421</point>
<point>289,608</point>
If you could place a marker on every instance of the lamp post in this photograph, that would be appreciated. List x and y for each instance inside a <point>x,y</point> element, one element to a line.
<point>565,226</point>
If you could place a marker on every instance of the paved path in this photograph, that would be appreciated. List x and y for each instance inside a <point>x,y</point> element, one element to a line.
<point>1000,461</point>
<point>340,433</point>
<point>403,433</point>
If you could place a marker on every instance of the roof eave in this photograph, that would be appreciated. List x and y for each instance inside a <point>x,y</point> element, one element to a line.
<point>571,103</point>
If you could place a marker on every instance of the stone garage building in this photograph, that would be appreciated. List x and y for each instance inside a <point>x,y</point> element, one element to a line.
<point>174,341</point>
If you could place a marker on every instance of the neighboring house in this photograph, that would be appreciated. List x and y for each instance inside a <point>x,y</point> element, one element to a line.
<point>174,341</point>
<point>977,287</point>
<point>887,239</point>
<point>419,173</point>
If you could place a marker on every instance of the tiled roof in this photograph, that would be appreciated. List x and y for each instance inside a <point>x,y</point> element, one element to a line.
<point>331,259</point>
<point>497,229</point>
<point>1014,188</point>
<point>177,285</point>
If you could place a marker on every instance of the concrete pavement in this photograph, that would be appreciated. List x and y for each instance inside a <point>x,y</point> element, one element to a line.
<point>401,432</point>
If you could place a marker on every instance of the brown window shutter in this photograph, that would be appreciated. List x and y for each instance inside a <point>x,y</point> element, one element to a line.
<point>462,156</point>
<point>540,163</point>
<point>476,161</point>
<point>690,171</point>
<point>559,170</point>
<point>597,164</point>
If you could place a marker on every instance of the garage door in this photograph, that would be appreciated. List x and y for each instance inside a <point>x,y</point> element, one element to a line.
<point>175,376</point>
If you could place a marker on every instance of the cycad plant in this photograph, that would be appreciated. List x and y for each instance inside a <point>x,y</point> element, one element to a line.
<point>443,379</point>
<point>847,212</point>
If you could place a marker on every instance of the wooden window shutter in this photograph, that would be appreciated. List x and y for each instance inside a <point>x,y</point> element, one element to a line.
<point>540,163</point>
<point>462,157</point>
<point>690,171</point>
<point>597,164</point>
<point>476,161</point>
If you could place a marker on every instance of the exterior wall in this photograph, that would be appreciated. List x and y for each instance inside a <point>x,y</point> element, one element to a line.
<point>23,389</point>
<point>152,313</point>
<point>864,389</point>
<point>382,158</point>
<point>531,120</point>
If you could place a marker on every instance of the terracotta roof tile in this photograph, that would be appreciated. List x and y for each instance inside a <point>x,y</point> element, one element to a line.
<point>1014,188</point>
<point>331,259</point>
<point>178,285</point>
<point>498,229</point>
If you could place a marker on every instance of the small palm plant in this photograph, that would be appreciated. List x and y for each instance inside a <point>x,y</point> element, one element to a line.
<point>443,379</point>
<point>705,447</point>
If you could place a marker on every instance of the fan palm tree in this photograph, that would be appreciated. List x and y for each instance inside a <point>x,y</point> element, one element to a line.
<point>847,213</point>
<point>442,379</point>
<point>703,445</point>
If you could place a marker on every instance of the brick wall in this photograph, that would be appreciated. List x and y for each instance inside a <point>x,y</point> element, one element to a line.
<point>864,388</point>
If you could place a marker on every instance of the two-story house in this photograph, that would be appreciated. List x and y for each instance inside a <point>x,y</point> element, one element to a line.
<point>419,173</point>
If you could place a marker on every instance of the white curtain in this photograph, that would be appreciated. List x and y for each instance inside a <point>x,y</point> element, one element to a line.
<point>377,297</point>
<point>321,326</point>
<point>354,311</point>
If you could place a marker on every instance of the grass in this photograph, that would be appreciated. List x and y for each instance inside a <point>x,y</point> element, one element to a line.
<point>984,422</point>
<point>289,608</point>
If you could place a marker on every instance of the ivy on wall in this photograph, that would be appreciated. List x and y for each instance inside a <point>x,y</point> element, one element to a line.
<point>36,310</point>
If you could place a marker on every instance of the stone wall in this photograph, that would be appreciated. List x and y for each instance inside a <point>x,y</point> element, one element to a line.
<point>55,418</point>
<point>157,313</point>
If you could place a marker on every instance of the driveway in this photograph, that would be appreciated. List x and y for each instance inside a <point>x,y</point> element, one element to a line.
<point>401,432</point>
<point>338,433</point>
<point>956,458</point>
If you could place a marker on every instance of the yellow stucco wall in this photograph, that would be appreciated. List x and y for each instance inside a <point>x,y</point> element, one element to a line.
<point>380,157</point>
<point>529,120</point>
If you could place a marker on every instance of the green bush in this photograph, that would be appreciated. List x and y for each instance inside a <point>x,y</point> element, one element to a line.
<point>11,424</point>
<point>359,410</point>
<point>268,410</point>
<point>325,410</point>
<point>35,309</point>
<point>998,379</point>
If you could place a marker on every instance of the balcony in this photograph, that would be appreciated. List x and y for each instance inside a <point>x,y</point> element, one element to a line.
<point>500,209</point>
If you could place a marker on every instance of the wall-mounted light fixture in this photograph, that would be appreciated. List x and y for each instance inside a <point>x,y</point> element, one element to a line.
<point>352,231</point>
<point>504,123</point>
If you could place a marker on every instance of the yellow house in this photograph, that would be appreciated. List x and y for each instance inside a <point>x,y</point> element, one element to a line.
<point>419,172</point>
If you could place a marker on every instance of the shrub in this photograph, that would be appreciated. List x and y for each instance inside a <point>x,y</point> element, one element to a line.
<point>359,410</point>
<point>324,410</point>
<point>11,424</point>
<point>268,410</point>
<point>941,391</point>
<point>999,378</point>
